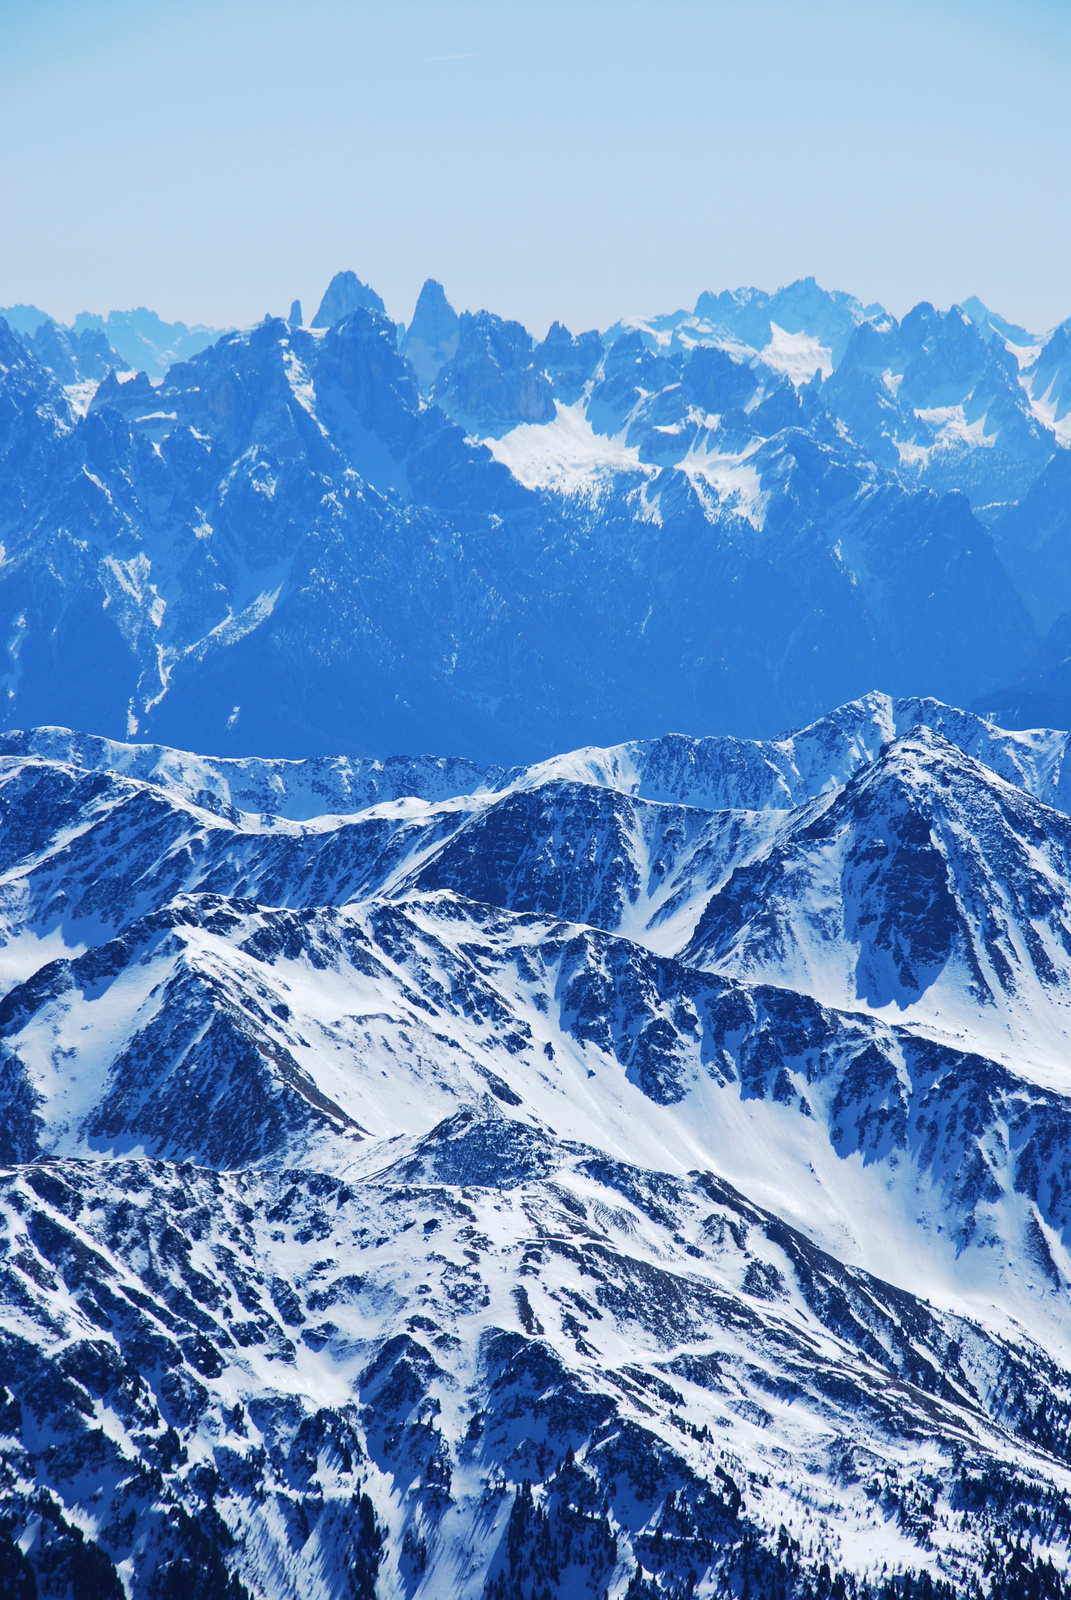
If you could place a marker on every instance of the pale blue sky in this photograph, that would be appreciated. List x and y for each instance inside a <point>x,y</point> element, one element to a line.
<point>585,160</point>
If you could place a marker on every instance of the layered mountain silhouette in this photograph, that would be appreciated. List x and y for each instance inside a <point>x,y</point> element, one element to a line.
<point>305,539</point>
<point>590,1158</point>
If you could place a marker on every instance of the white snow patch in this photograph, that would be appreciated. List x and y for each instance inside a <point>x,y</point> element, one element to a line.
<point>734,480</point>
<point>798,355</point>
<point>1051,408</point>
<point>233,627</point>
<point>29,950</point>
<point>565,455</point>
<point>952,431</point>
<point>301,385</point>
<point>1025,354</point>
<point>80,395</point>
<point>952,428</point>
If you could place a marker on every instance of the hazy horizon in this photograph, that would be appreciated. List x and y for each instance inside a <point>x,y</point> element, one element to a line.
<point>309,307</point>
<point>587,163</point>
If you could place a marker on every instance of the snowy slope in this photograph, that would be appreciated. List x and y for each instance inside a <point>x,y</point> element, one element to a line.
<point>296,789</point>
<point>925,888</point>
<point>643,870</point>
<point>347,1385</point>
<point>325,1025</point>
<point>365,1169</point>
<point>716,773</point>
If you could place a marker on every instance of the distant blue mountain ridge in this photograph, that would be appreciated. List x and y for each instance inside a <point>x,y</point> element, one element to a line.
<point>352,536</point>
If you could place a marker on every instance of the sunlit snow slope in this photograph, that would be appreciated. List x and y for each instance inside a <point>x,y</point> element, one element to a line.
<point>647,1172</point>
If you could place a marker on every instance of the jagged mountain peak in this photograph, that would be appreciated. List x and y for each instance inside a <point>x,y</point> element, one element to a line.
<point>78,360</point>
<point>938,398</point>
<point>927,886</point>
<point>754,318</point>
<point>493,381</point>
<point>993,325</point>
<point>345,293</point>
<point>293,483</point>
<point>431,339</point>
<point>23,319</point>
<point>145,341</point>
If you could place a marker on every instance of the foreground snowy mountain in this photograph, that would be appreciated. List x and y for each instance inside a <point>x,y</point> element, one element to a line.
<point>494,1364</point>
<point>647,1172</point>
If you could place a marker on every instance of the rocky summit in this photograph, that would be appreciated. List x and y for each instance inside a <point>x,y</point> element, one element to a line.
<point>641,1173</point>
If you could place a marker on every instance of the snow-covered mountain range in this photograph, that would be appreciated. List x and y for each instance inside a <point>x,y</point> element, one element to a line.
<point>352,535</point>
<point>646,1172</point>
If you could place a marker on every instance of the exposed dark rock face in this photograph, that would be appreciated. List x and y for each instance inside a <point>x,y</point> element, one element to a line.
<point>494,381</point>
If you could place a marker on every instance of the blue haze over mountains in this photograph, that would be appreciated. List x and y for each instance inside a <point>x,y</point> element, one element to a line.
<point>450,537</point>
<point>626,1151</point>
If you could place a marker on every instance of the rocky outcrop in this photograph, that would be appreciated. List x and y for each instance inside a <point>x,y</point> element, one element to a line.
<point>345,293</point>
<point>431,339</point>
